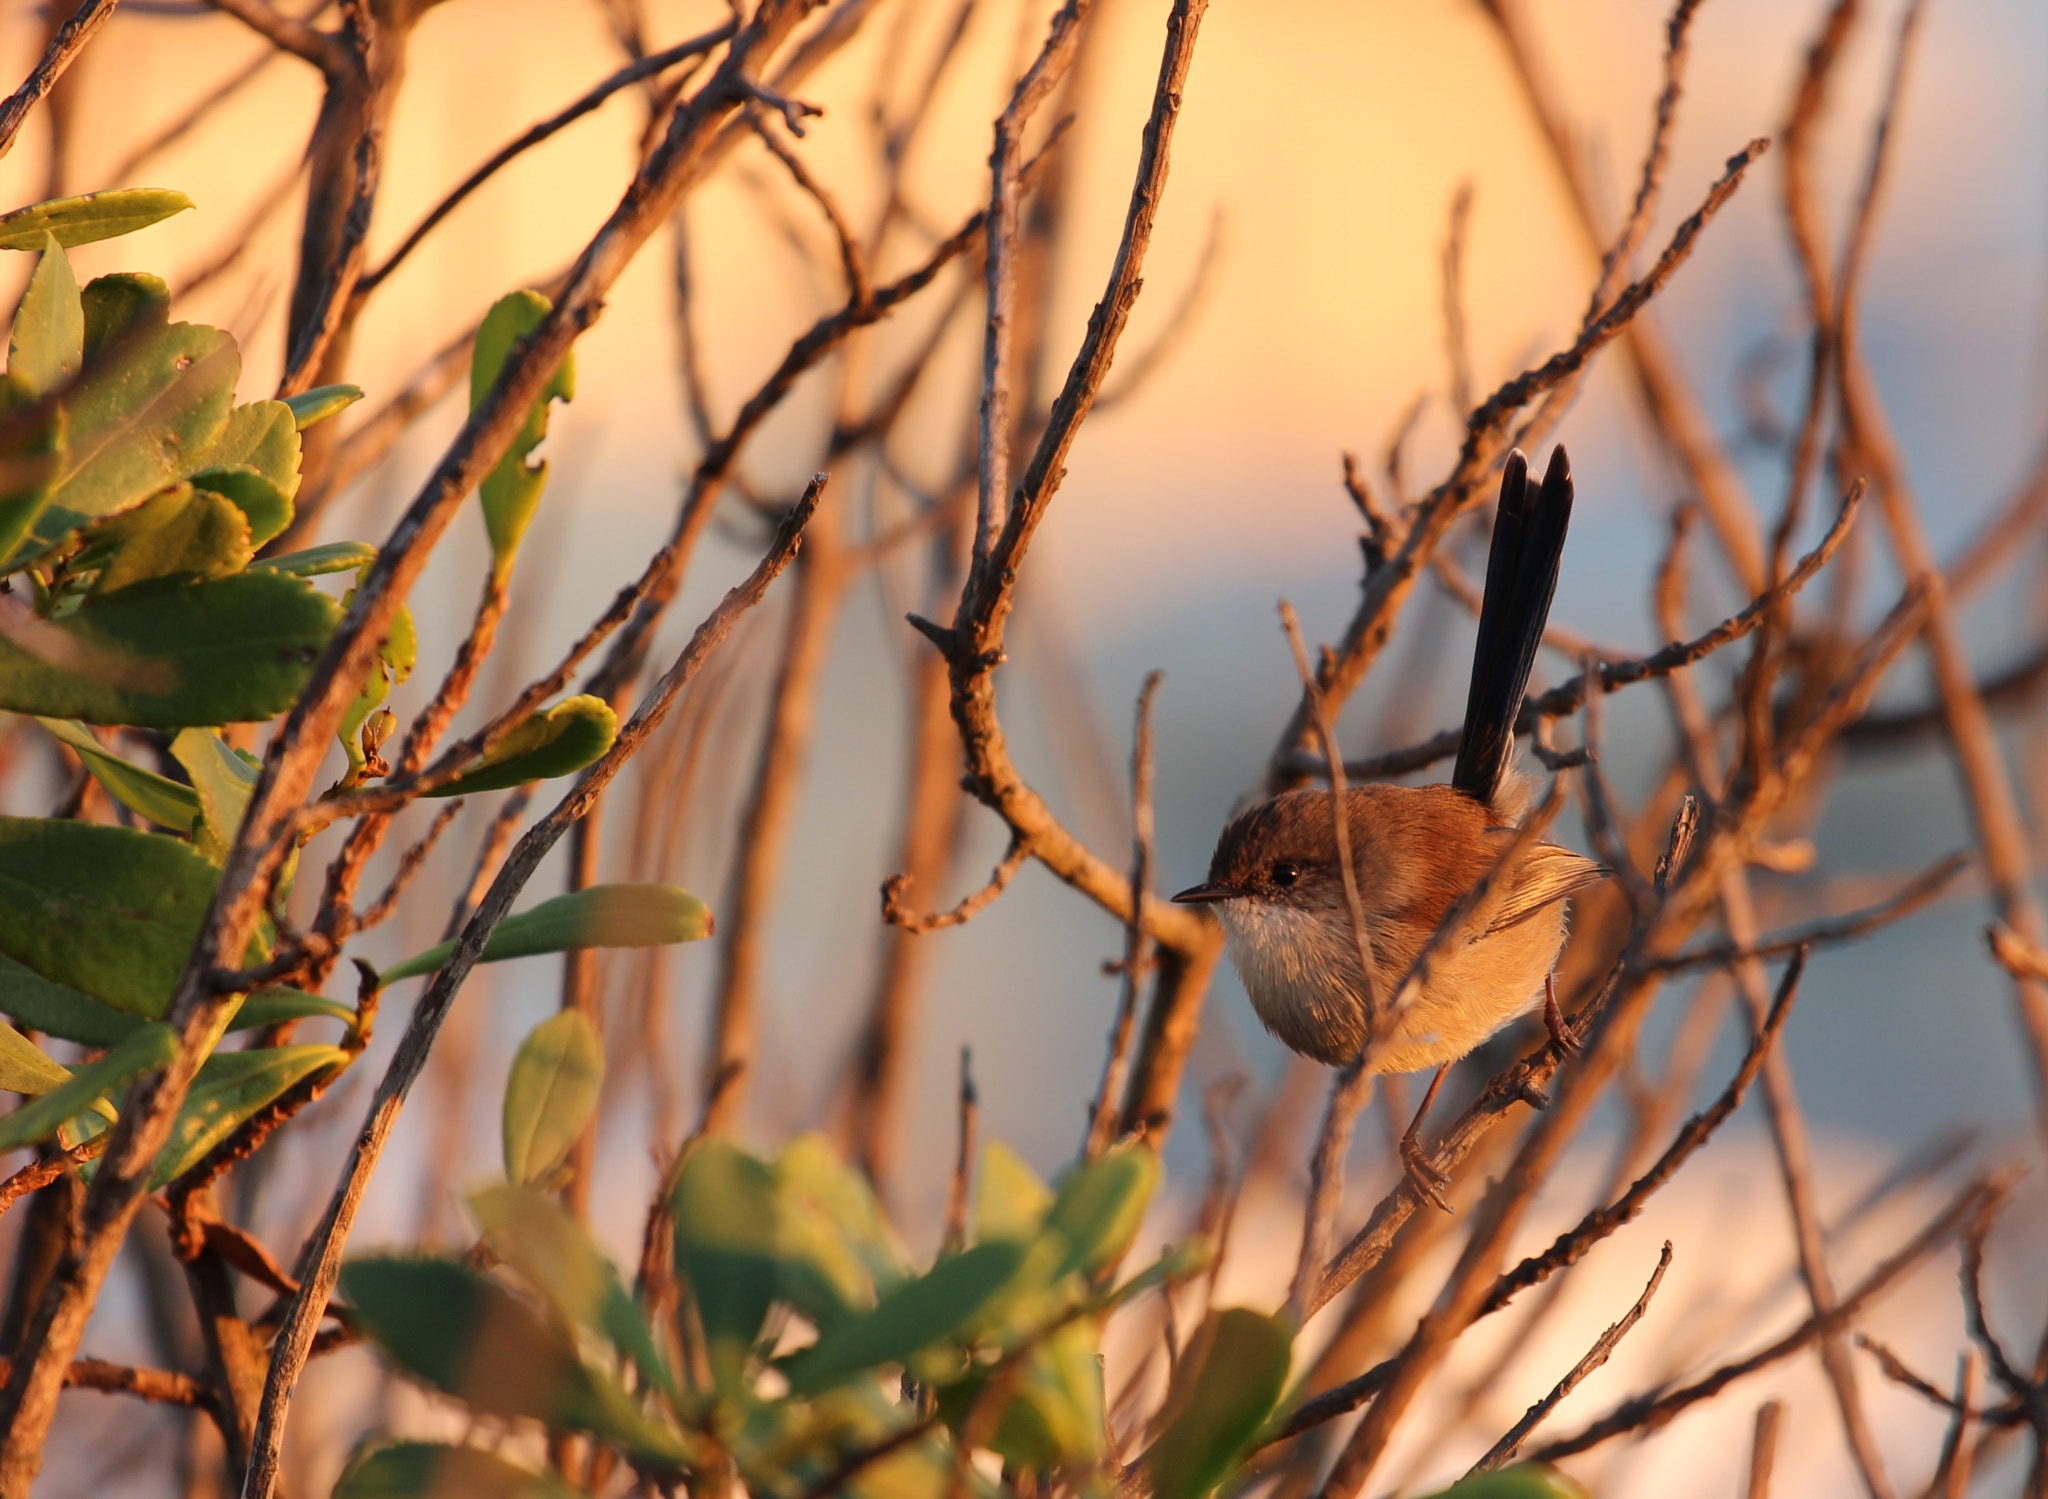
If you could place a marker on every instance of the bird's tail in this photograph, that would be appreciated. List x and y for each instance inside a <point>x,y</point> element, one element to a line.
<point>1521,575</point>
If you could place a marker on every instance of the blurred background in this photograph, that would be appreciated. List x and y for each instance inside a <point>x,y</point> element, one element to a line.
<point>1294,298</point>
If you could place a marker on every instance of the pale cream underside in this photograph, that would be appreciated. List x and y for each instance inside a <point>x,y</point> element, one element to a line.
<point>1302,975</point>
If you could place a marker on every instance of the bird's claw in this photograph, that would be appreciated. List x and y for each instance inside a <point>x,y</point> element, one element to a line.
<point>1562,1036</point>
<point>1422,1173</point>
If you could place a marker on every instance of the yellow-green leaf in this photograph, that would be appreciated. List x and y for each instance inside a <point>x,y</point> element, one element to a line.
<point>1225,1386</point>
<point>511,491</point>
<point>231,1087</point>
<point>148,1050</point>
<point>95,216</point>
<point>551,1094</point>
<point>24,1068</point>
<point>48,342</point>
<point>602,916</point>
<point>558,742</point>
<point>321,402</point>
<point>159,798</point>
<point>223,782</point>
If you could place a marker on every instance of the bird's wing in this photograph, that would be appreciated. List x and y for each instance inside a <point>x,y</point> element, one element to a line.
<point>1547,874</point>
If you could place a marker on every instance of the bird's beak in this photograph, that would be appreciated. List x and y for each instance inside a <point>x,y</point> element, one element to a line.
<point>1201,895</point>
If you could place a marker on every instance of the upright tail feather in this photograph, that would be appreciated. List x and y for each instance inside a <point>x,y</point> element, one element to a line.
<point>1521,575</point>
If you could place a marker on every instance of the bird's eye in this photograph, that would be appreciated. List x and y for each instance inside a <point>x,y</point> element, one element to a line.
<point>1285,873</point>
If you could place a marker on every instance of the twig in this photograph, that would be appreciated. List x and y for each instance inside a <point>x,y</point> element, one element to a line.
<point>1457,344</point>
<point>647,67</point>
<point>1652,1412</point>
<point>288,33</point>
<point>958,1190</point>
<point>64,47</point>
<point>851,262</point>
<point>409,865</point>
<point>1103,1113</point>
<point>1918,892</point>
<point>1763,1449</point>
<point>1953,1474</point>
<point>1504,1450</point>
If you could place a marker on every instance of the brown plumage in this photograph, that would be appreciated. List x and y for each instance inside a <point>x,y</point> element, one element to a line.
<point>1416,850</point>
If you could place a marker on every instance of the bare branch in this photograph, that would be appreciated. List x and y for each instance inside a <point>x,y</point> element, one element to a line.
<point>65,46</point>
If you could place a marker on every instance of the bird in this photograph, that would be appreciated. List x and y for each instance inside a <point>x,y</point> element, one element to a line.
<point>1277,887</point>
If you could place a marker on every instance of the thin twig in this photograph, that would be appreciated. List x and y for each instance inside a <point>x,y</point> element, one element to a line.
<point>64,47</point>
<point>1763,1449</point>
<point>1918,892</point>
<point>1103,1113</point>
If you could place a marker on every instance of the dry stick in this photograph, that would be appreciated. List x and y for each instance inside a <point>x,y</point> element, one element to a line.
<point>1994,809</point>
<point>1569,696</point>
<point>64,47</point>
<point>1573,1245</point>
<point>320,1260</point>
<point>1670,405</point>
<point>1952,1474</point>
<point>34,1177</point>
<point>1388,588</point>
<point>958,1194</point>
<point>1103,1113</point>
<point>1649,1413</point>
<point>157,1386</point>
<point>28,1401</point>
<point>1503,1451</point>
<point>409,865</point>
<point>287,33</point>
<point>1920,891</point>
<point>1763,1449</point>
<point>647,67</point>
<point>1893,729</point>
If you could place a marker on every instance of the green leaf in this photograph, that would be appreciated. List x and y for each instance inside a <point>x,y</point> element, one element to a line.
<point>1523,1481</point>
<point>602,916</point>
<point>32,455</point>
<point>1010,1199</point>
<point>1054,1417</point>
<point>140,421</point>
<point>109,911</point>
<point>1100,1207</point>
<point>222,780</point>
<point>428,1470</point>
<point>395,658</point>
<point>265,506</point>
<point>124,304</point>
<point>59,1011</point>
<point>728,1247</point>
<point>511,492</point>
<point>23,1066</point>
<point>560,741</point>
<point>95,216</point>
<point>557,1075</point>
<point>1226,1384</point>
<point>233,650</point>
<point>178,535</point>
<point>264,436</point>
<point>159,798</point>
<point>321,402</point>
<point>914,1316</point>
<point>452,1329</point>
<point>832,1217</point>
<point>276,1006</point>
<point>537,1237</point>
<point>148,1050</point>
<point>333,557</point>
<point>48,342</point>
<point>231,1087</point>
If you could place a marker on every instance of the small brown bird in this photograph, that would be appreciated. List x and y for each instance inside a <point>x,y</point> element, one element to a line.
<point>1276,884</point>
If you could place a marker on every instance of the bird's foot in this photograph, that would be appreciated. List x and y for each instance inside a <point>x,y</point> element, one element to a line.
<point>1562,1036</point>
<point>1428,1181</point>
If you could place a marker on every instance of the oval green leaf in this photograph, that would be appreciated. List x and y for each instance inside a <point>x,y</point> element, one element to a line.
<point>159,798</point>
<point>557,1075</point>
<point>148,1050</point>
<point>95,216</point>
<point>47,344</point>
<point>559,742</point>
<point>256,494</point>
<point>511,492</point>
<point>321,402</point>
<point>119,306</point>
<point>32,455</point>
<point>222,780</point>
<point>450,1328</point>
<point>1225,1386</point>
<point>233,650</point>
<point>1100,1207</point>
<point>914,1316</point>
<point>231,1087</point>
<point>178,535</point>
<point>728,1236</point>
<point>1010,1199</point>
<point>428,1470</point>
<point>602,916</point>
<point>109,911</point>
<point>264,436</point>
<point>23,1066</point>
<point>334,557</point>
<point>57,1010</point>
